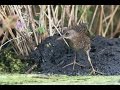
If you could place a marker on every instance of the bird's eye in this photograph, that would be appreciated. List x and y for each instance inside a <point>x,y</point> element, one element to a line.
<point>67,34</point>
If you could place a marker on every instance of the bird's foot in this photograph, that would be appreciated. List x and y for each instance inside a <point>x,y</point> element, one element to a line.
<point>60,63</point>
<point>93,72</point>
<point>80,64</point>
<point>73,65</point>
<point>67,65</point>
<point>77,64</point>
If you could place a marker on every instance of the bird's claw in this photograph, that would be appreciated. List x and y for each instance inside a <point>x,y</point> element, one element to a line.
<point>93,72</point>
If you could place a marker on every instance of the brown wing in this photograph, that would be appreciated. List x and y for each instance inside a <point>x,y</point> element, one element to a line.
<point>81,42</point>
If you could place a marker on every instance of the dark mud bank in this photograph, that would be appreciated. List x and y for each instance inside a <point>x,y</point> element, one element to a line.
<point>54,55</point>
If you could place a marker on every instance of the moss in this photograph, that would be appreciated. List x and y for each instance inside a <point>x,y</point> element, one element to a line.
<point>9,62</point>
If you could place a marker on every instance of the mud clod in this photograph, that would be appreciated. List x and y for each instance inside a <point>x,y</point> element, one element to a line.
<point>54,55</point>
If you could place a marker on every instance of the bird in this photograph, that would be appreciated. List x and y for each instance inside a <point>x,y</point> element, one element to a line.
<point>77,39</point>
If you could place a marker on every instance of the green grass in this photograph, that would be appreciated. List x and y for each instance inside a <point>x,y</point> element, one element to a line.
<point>38,79</point>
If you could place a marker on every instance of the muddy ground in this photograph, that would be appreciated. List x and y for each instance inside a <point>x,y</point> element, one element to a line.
<point>54,55</point>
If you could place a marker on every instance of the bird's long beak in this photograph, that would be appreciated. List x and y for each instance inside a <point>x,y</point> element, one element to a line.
<point>63,37</point>
<point>60,37</point>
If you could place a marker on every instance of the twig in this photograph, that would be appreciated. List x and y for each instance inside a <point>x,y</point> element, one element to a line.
<point>34,66</point>
<point>8,41</point>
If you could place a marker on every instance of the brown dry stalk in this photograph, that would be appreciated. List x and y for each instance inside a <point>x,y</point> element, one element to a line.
<point>103,21</point>
<point>112,16</point>
<point>93,18</point>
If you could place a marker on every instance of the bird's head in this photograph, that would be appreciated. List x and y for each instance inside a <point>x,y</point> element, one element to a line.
<point>74,31</point>
<point>69,34</point>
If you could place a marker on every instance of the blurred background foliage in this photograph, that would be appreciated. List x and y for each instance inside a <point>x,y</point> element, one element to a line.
<point>25,26</point>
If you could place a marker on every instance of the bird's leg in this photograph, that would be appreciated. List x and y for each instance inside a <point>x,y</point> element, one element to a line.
<point>74,62</point>
<point>93,70</point>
